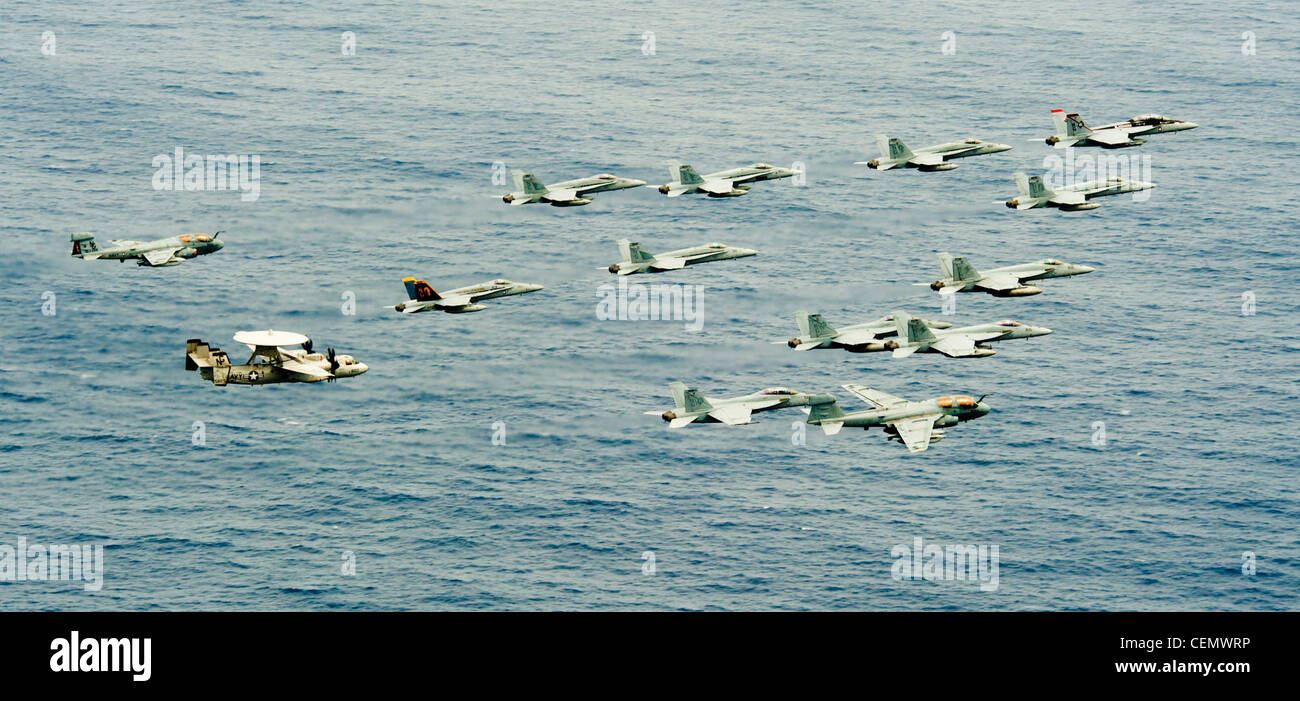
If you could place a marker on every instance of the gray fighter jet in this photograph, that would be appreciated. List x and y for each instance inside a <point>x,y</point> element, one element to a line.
<point>894,153</point>
<point>915,336</point>
<point>914,424</point>
<point>1009,281</point>
<point>424,298</point>
<point>724,183</point>
<point>814,332</point>
<point>693,407</point>
<point>570,193</point>
<point>1071,131</point>
<point>637,260</point>
<point>1071,198</point>
<point>271,361</point>
<point>172,250</point>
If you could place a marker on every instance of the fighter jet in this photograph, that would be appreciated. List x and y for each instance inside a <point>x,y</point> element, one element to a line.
<point>693,407</point>
<point>636,260</point>
<point>277,363</point>
<point>570,193</point>
<point>1071,131</point>
<point>894,153</point>
<point>915,336</point>
<point>1070,198</point>
<point>814,332</point>
<point>960,276</point>
<point>914,424</point>
<point>424,298</point>
<point>724,183</point>
<point>172,250</point>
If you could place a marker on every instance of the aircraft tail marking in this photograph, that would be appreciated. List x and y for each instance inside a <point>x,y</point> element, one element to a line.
<point>419,290</point>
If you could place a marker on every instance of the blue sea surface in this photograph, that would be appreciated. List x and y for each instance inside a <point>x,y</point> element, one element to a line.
<point>379,165</point>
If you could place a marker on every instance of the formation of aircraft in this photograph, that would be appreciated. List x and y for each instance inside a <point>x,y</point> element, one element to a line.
<point>692,407</point>
<point>914,424</point>
<point>1070,198</point>
<point>422,297</point>
<point>172,250</point>
<point>894,153</point>
<point>570,193</point>
<point>1072,131</point>
<point>724,183</point>
<point>637,260</point>
<point>1008,281</point>
<point>272,360</point>
<point>868,336</point>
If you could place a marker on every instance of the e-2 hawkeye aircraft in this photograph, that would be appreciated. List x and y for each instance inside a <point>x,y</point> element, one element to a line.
<point>172,250</point>
<point>271,361</point>
<point>914,424</point>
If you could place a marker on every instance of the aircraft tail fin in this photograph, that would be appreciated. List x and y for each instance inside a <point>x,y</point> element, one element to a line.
<point>198,354</point>
<point>898,151</point>
<point>1032,186</point>
<point>83,243</point>
<point>813,325</point>
<point>945,264</point>
<point>962,270</point>
<point>687,398</point>
<point>684,174</point>
<point>527,184</point>
<point>912,328</point>
<point>824,410</point>
<point>632,251</point>
<point>419,290</point>
<point>1069,125</point>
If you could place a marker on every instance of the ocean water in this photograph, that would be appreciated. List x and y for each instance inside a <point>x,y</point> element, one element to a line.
<point>379,165</point>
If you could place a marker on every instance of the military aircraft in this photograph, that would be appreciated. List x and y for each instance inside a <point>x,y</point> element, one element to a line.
<point>915,336</point>
<point>914,424</point>
<point>894,153</point>
<point>1009,281</point>
<point>724,183</point>
<point>277,362</point>
<point>1070,198</point>
<point>814,332</point>
<point>172,250</point>
<point>1071,131</point>
<point>637,260</point>
<point>424,298</point>
<point>693,407</point>
<point>570,193</point>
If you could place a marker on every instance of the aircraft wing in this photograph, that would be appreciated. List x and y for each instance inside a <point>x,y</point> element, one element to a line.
<point>1068,197</point>
<point>929,159</point>
<point>915,432</point>
<point>669,263</point>
<point>682,421</point>
<point>160,256</point>
<point>298,368</point>
<point>881,400</point>
<point>565,195</point>
<point>955,345</point>
<point>998,281</point>
<point>1111,137</point>
<point>717,187</point>
<point>125,243</point>
<point>731,414</point>
<point>453,301</point>
<point>860,336</point>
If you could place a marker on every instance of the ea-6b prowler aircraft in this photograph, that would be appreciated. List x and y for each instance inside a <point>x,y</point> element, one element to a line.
<point>637,260</point>
<point>172,250</point>
<point>914,424</point>
<point>916,336</point>
<point>1009,281</point>
<point>724,183</point>
<point>271,362</point>
<point>814,332</point>
<point>570,193</point>
<point>1071,131</point>
<point>693,407</point>
<point>1071,198</point>
<point>423,298</point>
<point>894,153</point>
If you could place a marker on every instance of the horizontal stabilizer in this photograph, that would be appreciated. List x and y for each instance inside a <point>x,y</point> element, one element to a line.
<point>681,421</point>
<point>831,428</point>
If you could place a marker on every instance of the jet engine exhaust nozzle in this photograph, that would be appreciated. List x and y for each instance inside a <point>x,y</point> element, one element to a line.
<point>793,343</point>
<point>1052,140</point>
<point>1012,204</point>
<point>669,415</point>
<point>663,188</point>
<point>614,268</point>
<point>399,307</point>
<point>936,285</point>
<point>507,198</point>
<point>873,163</point>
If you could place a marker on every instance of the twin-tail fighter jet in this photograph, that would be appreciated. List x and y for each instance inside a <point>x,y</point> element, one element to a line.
<point>894,153</point>
<point>423,298</point>
<point>172,250</point>
<point>1071,130</point>
<point>724,183</point>
<point>272,361</point>
<point>1009,281</point>
<point>912,335</point>
<point>570,193</point>
<point>693,407</point>
<point>914,424</point>
<point>1071,198</point>
<point>637,260</point>
<point>869,336</point>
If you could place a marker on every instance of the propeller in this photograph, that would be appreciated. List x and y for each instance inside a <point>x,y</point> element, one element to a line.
<point>334,364</point>
<point>307,346</point>
<point>219,233</point>
<point>982,396</point>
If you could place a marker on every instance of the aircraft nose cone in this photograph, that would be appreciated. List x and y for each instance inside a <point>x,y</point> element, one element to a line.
<point>1190,125</point>
<point>1086,269</point>
<point>361,368</point>
<point>1042,330</point>
<point>535,288</point>
<point>635,183</point>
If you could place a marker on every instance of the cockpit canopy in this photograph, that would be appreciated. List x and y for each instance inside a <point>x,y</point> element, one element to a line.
<point>1052,261</point>
<point>974,141</point>
<point>606,176</point>
<point>502,281</point>
<point>1008,322</point>
<point>961,400</point>
<point>763,166</point>
<point>1149,119</point>
<point>716,245</point>
<point>782,391</point>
